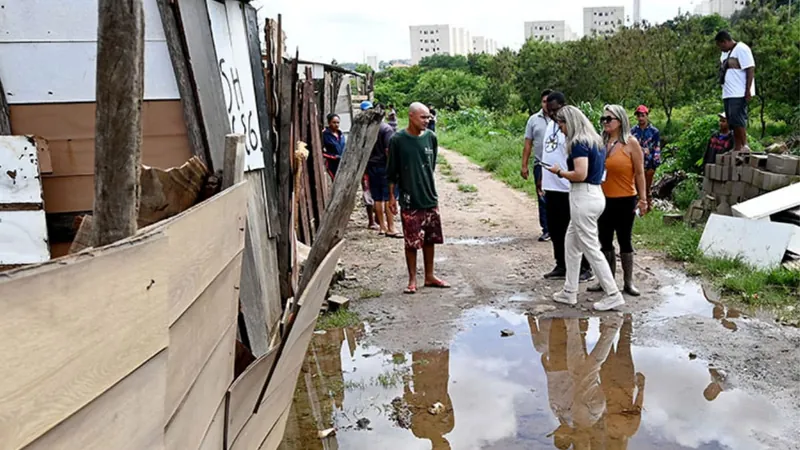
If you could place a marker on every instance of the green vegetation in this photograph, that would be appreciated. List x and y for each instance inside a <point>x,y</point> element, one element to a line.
<point>467,188</point>
<point>342,318</point>
<point>369,293</point>
<point>453,179</point>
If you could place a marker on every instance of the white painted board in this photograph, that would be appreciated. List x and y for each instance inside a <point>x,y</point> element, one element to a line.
<point>23,237</point>
<point>231,44</point>
<point>48,52</point>
<point>769,203</point>
<point>19,171</point>
<point>759,243</point>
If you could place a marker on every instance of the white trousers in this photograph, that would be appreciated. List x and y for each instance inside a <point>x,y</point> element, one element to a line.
<point>586,204</point>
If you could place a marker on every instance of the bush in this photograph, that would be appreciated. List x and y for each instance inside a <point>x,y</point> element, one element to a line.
<point>686,192</point>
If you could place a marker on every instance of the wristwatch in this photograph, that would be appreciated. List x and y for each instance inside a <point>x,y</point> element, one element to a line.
<point>558,174</point>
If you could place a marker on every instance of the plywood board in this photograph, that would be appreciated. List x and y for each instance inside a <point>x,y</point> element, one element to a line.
<point>769,203</point>
<point>129,416</point>
<point>275,435</point>
<point>73,328</point>
<point>196,333</point>
<point>243,393</point>
<point>202,242</point>
<point>19,170</point>
<point>760,243</point>
<point>68,194</point>
<point>215,435</point>
<point>23,237</point>
<point>233,60</point>
<point>188,426</point>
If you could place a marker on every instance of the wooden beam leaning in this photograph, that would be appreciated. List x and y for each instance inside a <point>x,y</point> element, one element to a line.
<point>118,140</point>
<point>183,76</point>
<point>286,81</point>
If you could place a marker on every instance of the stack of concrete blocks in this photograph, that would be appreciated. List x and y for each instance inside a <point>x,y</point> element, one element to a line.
<point>739,176</point>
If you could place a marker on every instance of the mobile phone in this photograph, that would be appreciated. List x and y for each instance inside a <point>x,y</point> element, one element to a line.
<point>542,163</point>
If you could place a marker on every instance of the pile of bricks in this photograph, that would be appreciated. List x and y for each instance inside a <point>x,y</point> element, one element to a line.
<point>739,176</point>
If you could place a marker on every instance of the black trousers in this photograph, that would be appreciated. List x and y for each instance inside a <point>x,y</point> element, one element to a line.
<point>617,217</point>
<point>557,204</point>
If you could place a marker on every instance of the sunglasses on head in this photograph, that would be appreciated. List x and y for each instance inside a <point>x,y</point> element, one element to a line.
<point>607,119</point>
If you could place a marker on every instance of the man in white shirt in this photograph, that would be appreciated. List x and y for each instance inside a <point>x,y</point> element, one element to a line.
<point>737,76</point>
<point>534,142</point>
<point>556,190</point>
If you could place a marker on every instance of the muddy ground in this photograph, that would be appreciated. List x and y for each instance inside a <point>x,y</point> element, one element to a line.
<point>495,264</point>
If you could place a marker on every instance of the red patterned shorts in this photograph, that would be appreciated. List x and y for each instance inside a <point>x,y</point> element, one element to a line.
<point>421,227</point>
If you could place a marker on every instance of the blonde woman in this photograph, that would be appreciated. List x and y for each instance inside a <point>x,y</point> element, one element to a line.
<point>585,171</point>
<point>625,178</point>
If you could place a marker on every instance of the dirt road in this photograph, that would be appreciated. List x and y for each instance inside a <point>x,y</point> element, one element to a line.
<point>716,378</point>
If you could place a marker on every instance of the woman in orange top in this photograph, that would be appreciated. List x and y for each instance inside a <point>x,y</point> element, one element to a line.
<point>624,178</point>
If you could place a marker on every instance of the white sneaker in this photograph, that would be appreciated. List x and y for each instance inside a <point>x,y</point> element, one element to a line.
<point>610,302</point>
<point>566,298</point>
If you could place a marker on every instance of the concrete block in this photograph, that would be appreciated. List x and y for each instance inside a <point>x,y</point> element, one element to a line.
<point>758,177</point>
<point>726,159</point>
<point>747,175</point>
<point>782,164</point>
<point>737,192</point>
<point>708,170</point>
<point>751,191</point>
<point>722,188</point>
<point>758,161</point>
<point>719,159</point>
<point>708,185</point>
<point>736,173</point>
<point>724,209</point>
<point>774,181</point>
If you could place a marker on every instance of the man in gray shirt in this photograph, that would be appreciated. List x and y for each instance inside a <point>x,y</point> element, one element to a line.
<point>534,139</point>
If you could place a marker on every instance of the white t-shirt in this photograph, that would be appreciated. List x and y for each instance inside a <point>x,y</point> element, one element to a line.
<point>736,79</point>
<point>554,152</point>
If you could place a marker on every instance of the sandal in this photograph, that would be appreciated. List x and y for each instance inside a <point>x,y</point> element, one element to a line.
<point>439,284</point>
<point>395,235</point>
<point>410,290</point>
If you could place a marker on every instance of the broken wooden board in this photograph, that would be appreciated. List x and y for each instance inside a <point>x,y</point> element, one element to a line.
<point>759,243</point>
<point>165,193</point>
<point>97,316</point>
<point>243,393</point>
<point>770,203</point>
<point>129,416</point>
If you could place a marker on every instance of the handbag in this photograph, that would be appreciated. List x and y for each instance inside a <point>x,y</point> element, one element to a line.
<point>723,66</point>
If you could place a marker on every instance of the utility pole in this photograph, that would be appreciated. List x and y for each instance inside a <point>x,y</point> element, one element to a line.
<point>118,120</point>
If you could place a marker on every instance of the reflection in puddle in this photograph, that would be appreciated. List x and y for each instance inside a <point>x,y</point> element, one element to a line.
<point>557,383</point>
<point>687,297</point>
<point>476,241</point>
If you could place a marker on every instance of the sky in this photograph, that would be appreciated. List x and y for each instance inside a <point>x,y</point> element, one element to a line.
<point>324,30</point>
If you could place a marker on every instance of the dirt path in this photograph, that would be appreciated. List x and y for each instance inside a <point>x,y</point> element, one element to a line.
<point>495,264</point>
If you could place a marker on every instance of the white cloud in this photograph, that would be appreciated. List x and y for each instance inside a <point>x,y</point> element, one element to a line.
<point>324,30</point>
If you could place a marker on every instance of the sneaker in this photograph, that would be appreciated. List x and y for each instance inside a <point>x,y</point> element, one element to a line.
<point>556,274</point>
<point>545,237</point>
<point>587,275</point>
<point>610,302</point>
<point>566,298</point>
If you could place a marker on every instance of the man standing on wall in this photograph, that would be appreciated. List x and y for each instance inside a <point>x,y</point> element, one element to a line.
<point>556,191</point>
<point>650,140</point>
<point>737,76</point>
<point>534,139</point>
<point>412,159</point>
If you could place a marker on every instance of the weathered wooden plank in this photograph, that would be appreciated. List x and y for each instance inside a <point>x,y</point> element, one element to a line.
<point>318,164</point>
<point>259,275</point>
<point>118,141</point>
<point>129,416</point>
<point>165,193</point>
<point>286,77</point>
<point>275,435</point>
<point>188,426</point>
<point>299,331</point>
<point>5,121</point>
<point>264,118</point>
<point>195,25</point>
<point>183,77</point>
<point>200,260</point>
<point>97,316</point>
<point>195,335</point>
<point>233,167</point>
<point>214,438</point>
<point>243,393</point>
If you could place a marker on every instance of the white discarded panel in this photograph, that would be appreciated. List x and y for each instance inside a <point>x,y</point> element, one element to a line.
<point>759,243</point>
<point>64,72</point>
<point>19,171</point>
<point>23,237</point>
<point>231,44</point>
<point>769,203</point>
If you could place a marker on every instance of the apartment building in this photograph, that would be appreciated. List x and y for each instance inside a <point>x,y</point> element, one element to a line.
<point>549,30</point>
<point>602,20</point>
<point>724,8</point>
<point>482,44</point>
<point>429,40</point>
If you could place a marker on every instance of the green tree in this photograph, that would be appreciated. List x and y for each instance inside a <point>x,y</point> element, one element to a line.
<point>457,62</point>
<point>451,89</point>
<point>363,68</point>
<point>501,93</point>
<point>478,63</point>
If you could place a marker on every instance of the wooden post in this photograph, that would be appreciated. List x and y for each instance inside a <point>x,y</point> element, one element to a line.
<point>5,118</point>
<point>118,122</point>
<point>233,168</point>
<point>362,138</point>
<point>286,82</point>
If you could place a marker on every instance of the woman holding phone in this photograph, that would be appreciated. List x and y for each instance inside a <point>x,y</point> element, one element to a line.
<point>585,171</point>
<point>625,177</point>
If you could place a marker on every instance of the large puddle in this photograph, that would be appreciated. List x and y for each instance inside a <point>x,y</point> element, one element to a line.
<point>555,383</point>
